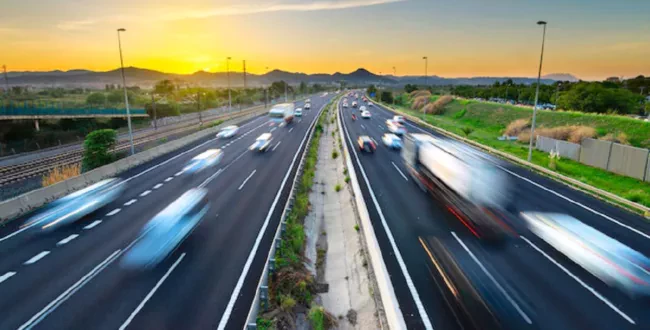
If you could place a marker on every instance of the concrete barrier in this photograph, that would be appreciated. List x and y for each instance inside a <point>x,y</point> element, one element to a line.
<point>19,205</point>
<point>564,148</point>
<point>647,171</point>
<point>629,161</point>
<point>595,153</point>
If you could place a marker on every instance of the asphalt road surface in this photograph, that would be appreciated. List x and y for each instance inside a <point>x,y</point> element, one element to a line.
<point>544,289</point>
<point>71,278</point>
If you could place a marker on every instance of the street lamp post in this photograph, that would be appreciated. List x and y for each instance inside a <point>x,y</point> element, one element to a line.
<point>539,75</point>
<point>394,72</point>
<point>426,71</point>
<point>266,92</point>
<point>228,74</point>
<point>126,97</point>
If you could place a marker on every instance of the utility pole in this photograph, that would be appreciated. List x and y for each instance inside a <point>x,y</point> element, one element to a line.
<point>155,115</point>
<point>285,92</point>
<point>126,97</point>
<point>244,74</point>
<point>539,75</point>
<point>426,70</point>
<point>507,86</point>
<point>557,93</point>
<point>4,70</point>
<point>228,73</point>
<point>198,106</point>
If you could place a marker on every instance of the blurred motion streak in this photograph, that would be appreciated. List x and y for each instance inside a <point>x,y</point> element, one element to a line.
<point>204,160</point>
<point>75,206</point>
<point>167,230</point>
<point>606,258</point>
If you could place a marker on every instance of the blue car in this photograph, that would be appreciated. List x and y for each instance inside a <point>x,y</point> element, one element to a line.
<point>75,206</point>
<point>392,141</point>
<point>167,230</point>
<point>206,159</point>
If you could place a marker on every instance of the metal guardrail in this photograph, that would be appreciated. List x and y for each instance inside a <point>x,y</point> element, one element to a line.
<point>261,299</point>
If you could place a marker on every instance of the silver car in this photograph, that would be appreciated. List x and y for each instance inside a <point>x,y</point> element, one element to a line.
<point>167,230</point>
<point>228,132</point>
<point>75,206</point>
<point>202,161</point>
<point>262,143</point>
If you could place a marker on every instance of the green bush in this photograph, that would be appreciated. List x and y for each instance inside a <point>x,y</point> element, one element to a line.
<point>97,147</point>
<point>356,227</point>
<point>347,179</point>
<point>335,154</point>
<point>338,187</point>
<point>317,317</point>
<point>460,114</point>
<point>96,99</point>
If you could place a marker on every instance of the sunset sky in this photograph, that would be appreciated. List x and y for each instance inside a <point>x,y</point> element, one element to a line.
<point>591,39</point>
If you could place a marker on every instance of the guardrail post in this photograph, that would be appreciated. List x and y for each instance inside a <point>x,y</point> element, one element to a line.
<point>271,265</point>
<point>283,227</point>
<point>264,297</point>
<point>278,243</point>
<point>251,326</point>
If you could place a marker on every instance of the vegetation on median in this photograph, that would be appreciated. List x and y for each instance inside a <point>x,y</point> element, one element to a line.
<point>291,284</point>
<point>488,121</point>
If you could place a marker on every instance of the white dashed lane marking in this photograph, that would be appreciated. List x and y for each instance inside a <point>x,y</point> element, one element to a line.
<point>6,276</point>
<point>37,257</point>
<point>67,240</point>
<point>93,225</point>
<point>157,186</point>
<point>114,212</point>
<point>145,193</point>
<point>169,179</point>
<point>130,202</point>
<point>178,173</point>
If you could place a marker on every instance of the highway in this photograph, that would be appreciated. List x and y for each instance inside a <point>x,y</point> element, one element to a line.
<point>542,288</point>
<point>72,279</point>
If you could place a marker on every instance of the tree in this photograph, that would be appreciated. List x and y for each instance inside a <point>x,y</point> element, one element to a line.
<point>162,110</point>
<point>303,87</point>
<point>371,90</point>
<point>410,88</point>
<point>386,97</point>
<point>115,97</point>
<point>97,148</point>
<point>164,87</point>
<point>96,99</point>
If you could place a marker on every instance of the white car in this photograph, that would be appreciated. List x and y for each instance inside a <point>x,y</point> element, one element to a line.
<point>298,112</point>
<point>262,143</point>
<point>399,119</point>
<point>307,106</point>
<point>308,101</point>
<point>345,104</point>
<point>370,104</point>
<point>365,114</point>
<point>228,132</point>
<point>395,127</point>
<point>391,141</point>
<point>204,160</point>
<point>362,108</point>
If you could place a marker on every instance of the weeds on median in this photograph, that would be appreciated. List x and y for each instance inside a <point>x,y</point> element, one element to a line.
<point>60,173</point>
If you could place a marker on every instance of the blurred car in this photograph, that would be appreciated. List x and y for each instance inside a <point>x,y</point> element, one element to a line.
<point>167,230</point>
<point>354,104</point>
<point>298,112</point>
<point>399,119</point>
<point>477,300</point>
<point>77,205</point>
<point>308,101</point>
<point>345,104</point>
<point>365,114</point>
<point>307,106</point>
<point>366,144</point>
<point>606,258</point>
<point>362,108</point>
<point>391,141</point>
<point>202,161</point>
<point>370,104</point>
<point>395,127</point>
<point>262,143</point>
<point>228,132</point>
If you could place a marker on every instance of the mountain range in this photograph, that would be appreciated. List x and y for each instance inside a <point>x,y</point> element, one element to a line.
<point>146,78</point>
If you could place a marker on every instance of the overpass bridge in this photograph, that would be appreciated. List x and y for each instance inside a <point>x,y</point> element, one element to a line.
<point>28,112</point>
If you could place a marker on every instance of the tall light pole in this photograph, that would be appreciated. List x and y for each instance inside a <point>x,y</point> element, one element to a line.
<point>394,72</point>
<point>266,92</point>
<point>228,74</point>
<point>126,97</point>
<point>244,74</point>
<point>539,75</point>
<point>426,71</point>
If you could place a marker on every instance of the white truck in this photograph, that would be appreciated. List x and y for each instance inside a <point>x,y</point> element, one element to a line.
<point>282,112</point>
<point>474,189</point>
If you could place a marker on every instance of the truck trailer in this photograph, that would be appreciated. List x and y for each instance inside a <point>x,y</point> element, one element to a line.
<point>282,112</point>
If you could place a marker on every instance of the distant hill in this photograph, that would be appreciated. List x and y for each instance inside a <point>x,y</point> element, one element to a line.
<point>561,77</point>
<point>146,78</point>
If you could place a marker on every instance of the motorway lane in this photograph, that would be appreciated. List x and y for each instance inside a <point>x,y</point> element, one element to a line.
<point>551,296</point>
<point>33,287</point>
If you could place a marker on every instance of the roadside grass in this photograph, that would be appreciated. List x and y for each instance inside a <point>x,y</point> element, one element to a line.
<point>291,284</point>
<point>487,121</point>
<point>61,173</point>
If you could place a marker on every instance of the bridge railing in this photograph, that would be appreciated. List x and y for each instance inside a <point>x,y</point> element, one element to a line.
<point>54,111</point>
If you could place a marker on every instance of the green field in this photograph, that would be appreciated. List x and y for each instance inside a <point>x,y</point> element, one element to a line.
<point>489,120</point>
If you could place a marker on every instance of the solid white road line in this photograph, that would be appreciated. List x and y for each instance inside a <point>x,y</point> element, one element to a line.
<point>276,146</point>
<point>93,225</point>
<point>291,129</point>
<point>157,186</point>
<point>130,202</point>
<point>38,317</point>
<point>169,179</point>
<point>6,276</point>
<point>240,282</point>
<point>114,212</point>
<point>37,257</point>
<point>391,239</point>
<point>248,178</point>
<point>489,275</point>
<point>145,193</point>
<point>400,171</point>
<point>151,293</point>
<point>577,279</point>
<point>67,240</point>
<point>273,129</point>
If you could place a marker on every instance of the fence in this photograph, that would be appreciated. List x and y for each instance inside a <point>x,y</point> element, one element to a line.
<point>55,111</point>
<point>607,155</point>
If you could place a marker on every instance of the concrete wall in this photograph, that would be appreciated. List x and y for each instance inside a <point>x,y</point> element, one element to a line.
<point>566,149</point>
<point>595,153</point>
<point>629,161</point>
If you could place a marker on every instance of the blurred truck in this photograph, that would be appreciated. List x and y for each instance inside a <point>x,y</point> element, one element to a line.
<point>282,112</point>
<point>473,189</point>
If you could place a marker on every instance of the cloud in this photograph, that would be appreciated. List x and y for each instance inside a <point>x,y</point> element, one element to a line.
<point>629,46</point>
<point>276,7</point>
<point>75,25</point>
